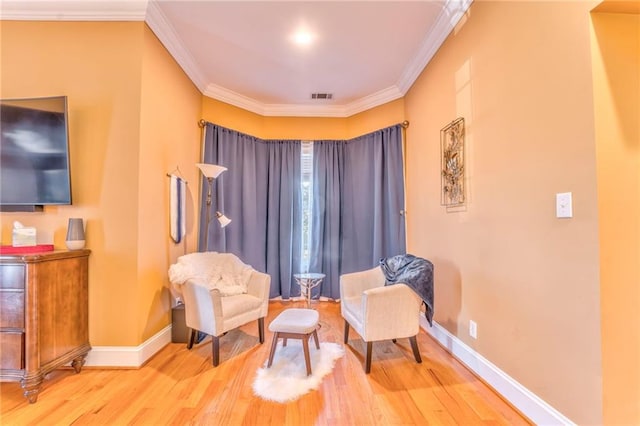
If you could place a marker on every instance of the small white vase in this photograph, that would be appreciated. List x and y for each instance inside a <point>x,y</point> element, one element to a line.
<point>74,244</point>
<point>75,234</point>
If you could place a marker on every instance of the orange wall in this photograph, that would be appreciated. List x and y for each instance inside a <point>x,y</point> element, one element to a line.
<point>103,89</point>
<point>380,117</point>
<point>266,127</point>
<point>519,73</point>
<point>120,152</point>
<point>303,128</point>
<point>232,117</point>
<point>169,140</point>
<point>616,74</point>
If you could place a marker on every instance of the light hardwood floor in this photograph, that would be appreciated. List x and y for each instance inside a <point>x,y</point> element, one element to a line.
<point>178,386</point>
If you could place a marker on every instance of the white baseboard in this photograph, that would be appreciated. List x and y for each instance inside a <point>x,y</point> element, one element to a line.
<point>529,404</point>
<point>128,356</point>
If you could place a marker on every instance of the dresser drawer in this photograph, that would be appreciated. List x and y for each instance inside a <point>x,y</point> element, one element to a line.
<point>11,350</point>
<point>12,276</point>
<point>12,312</point>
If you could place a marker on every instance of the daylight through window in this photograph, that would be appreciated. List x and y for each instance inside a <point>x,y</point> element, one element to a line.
<point>307,201</point>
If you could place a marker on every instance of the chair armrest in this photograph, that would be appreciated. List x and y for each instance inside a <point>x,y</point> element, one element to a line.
<point>353,284</point>
<point>258,286</point>
<point>390,312</point>
<point>176,290</point>
<point>203,308</point>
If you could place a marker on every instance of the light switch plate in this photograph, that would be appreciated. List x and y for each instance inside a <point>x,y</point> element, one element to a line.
<point>564,205</point>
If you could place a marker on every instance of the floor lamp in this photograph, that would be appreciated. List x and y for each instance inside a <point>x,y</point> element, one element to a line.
<point>212,171</point>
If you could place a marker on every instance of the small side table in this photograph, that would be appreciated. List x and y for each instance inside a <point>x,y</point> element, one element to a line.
<point>179,330</point>
<point>307,282</point>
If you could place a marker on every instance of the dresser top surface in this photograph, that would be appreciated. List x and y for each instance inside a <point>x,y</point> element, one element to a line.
<point>43,256</point>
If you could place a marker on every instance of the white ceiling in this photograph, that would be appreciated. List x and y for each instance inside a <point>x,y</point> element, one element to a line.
<point>364,53</point>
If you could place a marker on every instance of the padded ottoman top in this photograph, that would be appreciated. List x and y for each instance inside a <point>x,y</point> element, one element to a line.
<point>295,320</point>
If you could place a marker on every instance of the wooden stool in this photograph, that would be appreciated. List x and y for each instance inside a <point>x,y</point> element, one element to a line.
<point>295,323</point>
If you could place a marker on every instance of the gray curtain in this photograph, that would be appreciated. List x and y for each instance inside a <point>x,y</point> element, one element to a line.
<point>327,214</point>
<point>358,204</point>
<point>260,194</point>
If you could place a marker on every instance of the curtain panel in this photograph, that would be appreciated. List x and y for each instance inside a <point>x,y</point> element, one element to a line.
<point>260,193</point>
<point>358,205</point>
<point>357,209</point>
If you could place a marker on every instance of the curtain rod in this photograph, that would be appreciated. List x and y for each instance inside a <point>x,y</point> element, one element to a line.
<point>202,123</point>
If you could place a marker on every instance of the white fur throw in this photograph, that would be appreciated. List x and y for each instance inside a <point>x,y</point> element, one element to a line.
<point>222,271</point>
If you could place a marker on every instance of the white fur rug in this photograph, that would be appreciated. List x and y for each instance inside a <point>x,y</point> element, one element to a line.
<point>286,379</point>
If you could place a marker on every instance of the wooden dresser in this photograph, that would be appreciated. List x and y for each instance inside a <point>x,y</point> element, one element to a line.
<point>43,315</point>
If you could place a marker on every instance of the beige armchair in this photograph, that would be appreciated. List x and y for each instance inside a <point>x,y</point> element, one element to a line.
<point>378,312</point>
<point>220,293</point>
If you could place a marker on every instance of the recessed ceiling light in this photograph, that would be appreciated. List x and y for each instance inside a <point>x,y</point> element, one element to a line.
<point>303,37</point>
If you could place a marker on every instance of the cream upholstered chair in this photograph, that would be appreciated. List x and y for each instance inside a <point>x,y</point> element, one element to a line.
<point>215,311</point>
<point>378,312</point>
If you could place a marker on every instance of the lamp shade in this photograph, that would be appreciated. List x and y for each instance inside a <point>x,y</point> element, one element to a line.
<point>210,170</point>
<point>224,221</point>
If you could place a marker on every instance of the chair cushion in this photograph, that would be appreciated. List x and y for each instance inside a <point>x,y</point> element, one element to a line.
<point>295,320</point>
<point>352,312</point>
<point>239,304</point>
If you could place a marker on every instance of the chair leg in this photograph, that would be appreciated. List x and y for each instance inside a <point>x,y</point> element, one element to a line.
<point>274,343</point>
<point>307,358</point>
<point>315,337</point>
<point>261,329</point>
<point>414,346</point>
<point>346,331</point>
<point>192,338</point>
<point>367,364</point>
<point>215,344</point>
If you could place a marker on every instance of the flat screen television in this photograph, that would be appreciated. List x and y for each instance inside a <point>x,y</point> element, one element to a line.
<point>34,153</point>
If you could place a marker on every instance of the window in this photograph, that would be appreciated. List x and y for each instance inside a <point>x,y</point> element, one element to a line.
<point>306,159</point>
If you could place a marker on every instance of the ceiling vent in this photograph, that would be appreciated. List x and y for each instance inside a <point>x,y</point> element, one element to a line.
<point>321,96</point>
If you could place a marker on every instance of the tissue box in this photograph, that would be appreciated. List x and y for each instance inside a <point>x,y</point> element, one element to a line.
<point>23,237</point>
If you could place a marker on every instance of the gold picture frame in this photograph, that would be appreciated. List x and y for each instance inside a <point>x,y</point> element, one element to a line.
<point>452,163</point>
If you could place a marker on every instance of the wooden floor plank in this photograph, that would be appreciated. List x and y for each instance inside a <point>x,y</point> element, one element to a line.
<point>181,387</point>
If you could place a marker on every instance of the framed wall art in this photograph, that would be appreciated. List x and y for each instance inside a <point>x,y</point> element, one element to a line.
<point>452,163</point>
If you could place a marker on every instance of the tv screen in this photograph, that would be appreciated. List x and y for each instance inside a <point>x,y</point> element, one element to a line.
<point>34,152</point>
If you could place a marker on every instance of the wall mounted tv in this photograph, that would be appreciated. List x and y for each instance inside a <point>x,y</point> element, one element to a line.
<point>34,153</point>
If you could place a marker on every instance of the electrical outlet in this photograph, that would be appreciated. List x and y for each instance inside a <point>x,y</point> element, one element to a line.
<point>473,329</point>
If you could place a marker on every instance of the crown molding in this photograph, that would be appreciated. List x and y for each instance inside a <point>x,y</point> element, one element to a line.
<point>157,21</point>
<point>302,110</point>
<point>230,97</point>
<point>447,20</point>
<point>373,100</point>
<point>73,10</point>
